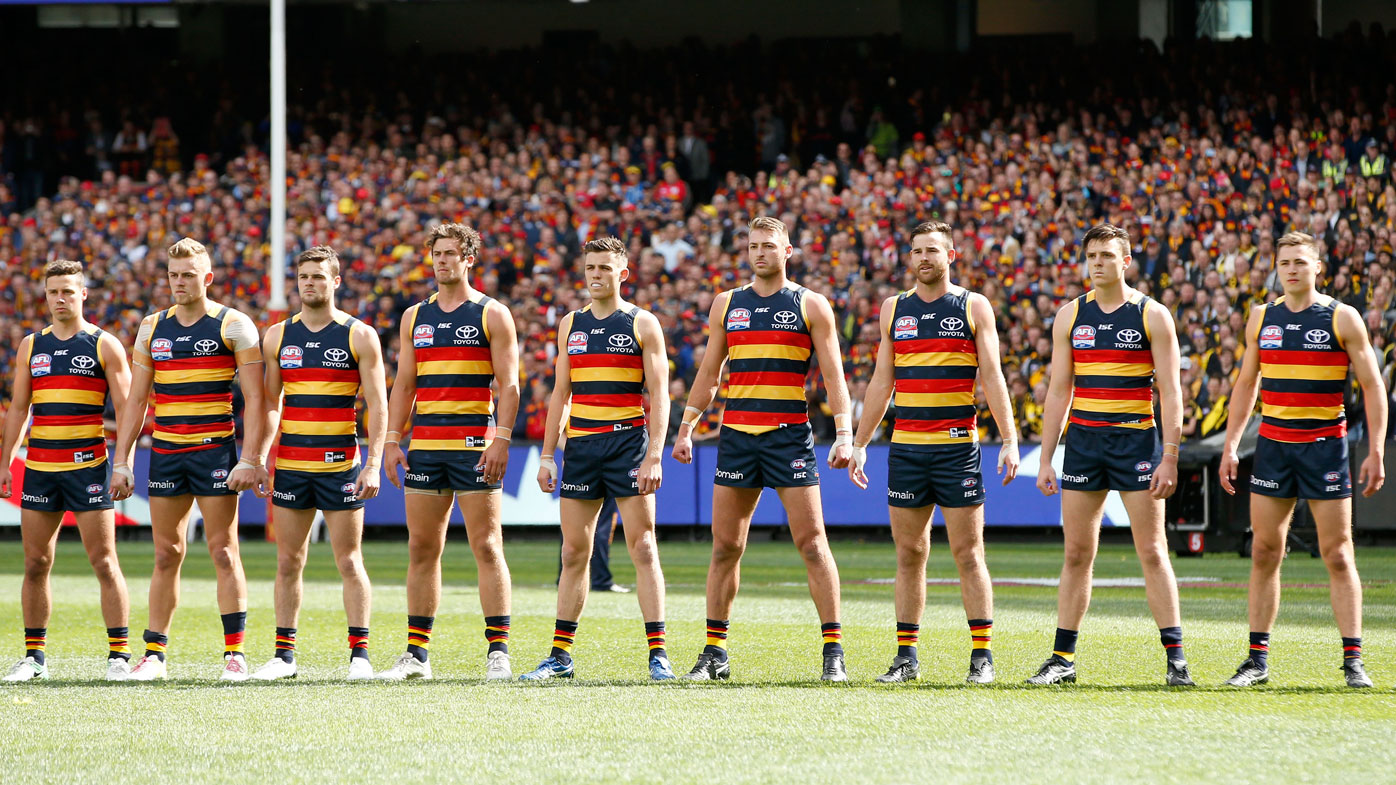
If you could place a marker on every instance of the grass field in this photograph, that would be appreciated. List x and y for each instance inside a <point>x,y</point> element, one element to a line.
<point>776,722</point>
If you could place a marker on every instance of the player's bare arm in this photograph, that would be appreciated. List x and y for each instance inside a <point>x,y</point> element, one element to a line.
<point>130,422</point>
<point>877,397</point>
<point>557,409</point>
<point>1358,345</point>
<point>709,376</point>
<point>1058,397</point>
<point>504,354</point>
<point>400,401</point>
<point>1243,395</point>
<point>986,344</point>
<point>824,336</point>
<point>656,363</point>
<point>1164,347</point>
<point>373,383</point>
<point>250,473</point>
<point>16,416</point>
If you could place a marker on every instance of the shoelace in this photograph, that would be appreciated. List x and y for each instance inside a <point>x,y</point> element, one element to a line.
<point>234,665</point>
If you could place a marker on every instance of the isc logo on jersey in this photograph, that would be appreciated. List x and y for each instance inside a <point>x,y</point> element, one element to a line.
<point>40,365</point>
<point>291,357</point>
<point>422,335</point>
<point>577,343</point>
<point>1083,337</point>
<point>738,319</point>
<point>905,327</point>
<point>1272,337</point>
<point>161,349</point>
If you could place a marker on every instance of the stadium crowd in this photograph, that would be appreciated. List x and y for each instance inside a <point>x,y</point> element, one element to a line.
<point>1206,154</point>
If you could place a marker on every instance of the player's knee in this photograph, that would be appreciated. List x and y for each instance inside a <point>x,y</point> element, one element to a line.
<point>424,552</point>
<point>1152,558</point>
<point>169,555</point>
<point>812,548</point>
<point>489,551</point>
<point>575,556</point>
<point>643,549</point>
<point>967,556</point>
<point>728,549</point>
<point>37,565</point>
<point>1079,557</point>
<point>225,557</point>
<point>1338,557</point>
<point>105,566</point>
<point>913,554</point>
<point>290,562</point>
<point>1266,556</point>
<point>350,564</point>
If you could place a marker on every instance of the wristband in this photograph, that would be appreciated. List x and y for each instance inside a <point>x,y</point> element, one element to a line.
<point>244,465</point>
<point>548,462</point>
<point>398,434</point>
<point>843,423</point>
<point>125,471</point>
<point>1170,449</point>
<point>691,421</point>
<point>393,442</point>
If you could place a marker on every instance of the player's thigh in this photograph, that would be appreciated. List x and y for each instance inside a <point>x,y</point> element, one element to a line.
<point>911,529</point>
<point>98,530</point>
<point>346,529</point>
<point>732,511</point>
<point>1145,516</point>
<point>637,513</point>
<point>169,517</point>
<point>1333,519</point>
<point>292,528</point>
<point>578,518</point>
<point>428,514</point>
<point>482,510</point>
<point>804,512</point>
<point>38,531</point>
<point>1270,517</point>
<point>964,528</point>
<point>1082,512</point>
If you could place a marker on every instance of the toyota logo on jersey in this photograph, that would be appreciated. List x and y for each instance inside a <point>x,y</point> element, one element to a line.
<point>785,317</point>
<point>738,319</point>
<point>905,327</point>
<point>466,332</point>
<point>1129,336</point>
<point>620,340</point>
<point>1316,336</point>
<point>336,355</point>
<point>951,323</point>
<point>1083,337</point>
<point>83,361</point>
<point>40,365</point>
<point>161,349</point>
<point>205,346</point>
<point>1272,337</point>
<point>291,357</point>
<point>577,343</point>
<point>422,335</point>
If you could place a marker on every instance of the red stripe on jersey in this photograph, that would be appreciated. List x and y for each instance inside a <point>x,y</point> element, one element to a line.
<point>608,427</point>
<point>732,416</point>
<point>594,360</point>
<point>451,431</point>
<point>1302,357</point>
<point>205,398</point>
<point>64,382</point>
<point>1112,356</point>
<point>1301,399</point>
<point>193,363</point>
<point>935,385</point>
<point>65,421</point>
<point>453,393</point>
<point>317,414</point>
<point>934,425</point>
<point>319,375</point>
<point>768,338</point>
<point>611,400</point>
<point>428,354</point>
<point>1075,420</point>
<point>1115,393</point>
<point>920,345</point>
<point>65,454</point>
<point>315,454</point>
<point>777,378</point>
<point>1281,434</point>
<point>185,428</point>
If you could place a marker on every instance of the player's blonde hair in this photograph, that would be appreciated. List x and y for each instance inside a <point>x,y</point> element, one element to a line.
<point>1300,239</point>
<point>189,248</point>
<point>468,238</point>
<point>766,222</point>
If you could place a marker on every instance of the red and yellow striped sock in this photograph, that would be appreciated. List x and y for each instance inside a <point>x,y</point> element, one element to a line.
<point>419,636</point>
<point>564,634</point>
<point>34,641</point>
<point>234,630</point>
<point>119,643</point>
<point>285,644</point>
<point>833,637</point>
<point>907,635</point>
<point>717,636</point>
<point>654,636</point>
<point>980,633</point>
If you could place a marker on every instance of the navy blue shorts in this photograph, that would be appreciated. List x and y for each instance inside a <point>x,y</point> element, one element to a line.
<point>78,490</point>
<point>783,458</point>
<point>1312,470</point>
<point>442,472</point>
<point>298,490</point>
<point>608,464</point>
<point>947,475</point>
<point>198,472</point>
<point>1109,459</point>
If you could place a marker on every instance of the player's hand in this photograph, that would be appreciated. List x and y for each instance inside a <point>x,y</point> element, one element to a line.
<point>242,478</point>
<point>262,485</point>
<point>1047,480</point>
<point>1227,471</point>
<point>842,452</point>
<point>651,475</point>
<point>393,458</point>
<point>494,460</point>
<point>369,482</point>
<point>1008,461</point>
<point>1372,475</point>
<point>856,462</point>
<point>547,474</point>
<point>123,483</point>
<point>683,447</point>
<point>6,481</point>
<point>1165,480</point>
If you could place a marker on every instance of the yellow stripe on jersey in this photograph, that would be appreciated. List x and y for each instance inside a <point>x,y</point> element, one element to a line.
<point>57,432</point>
<point>446,444</point>
<point>190,438</point>
<point>346,389</point>
<point>1111,405</point>
<point>194,408</point>
<point>453,407</point>
<point>87,397</point>
<point>586,412</point>
<point>318,467</point>
<point>1301,412</point>
<point>1141,426</point>
<point>767,351</point>
<point>186,375</point>
<point>1135,370</point>
<point>455,368</point>
<point>67,466</point>
<point>1326,373</point>
<point>934,399</point>
<point>927,437</point>
<point>770,392</point>
<point>605,374</point>
<point>933,359</point>
<point>318,428</point>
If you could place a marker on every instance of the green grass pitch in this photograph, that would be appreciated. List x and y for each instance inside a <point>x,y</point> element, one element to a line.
<point>775,723</point>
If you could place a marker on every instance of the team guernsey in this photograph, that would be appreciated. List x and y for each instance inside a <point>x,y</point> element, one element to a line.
<point>66,465</point>
<point>934,458</point>
<point>606,435</point>
<point>1111,442</point>
<point>193,449</point>
<point>453,420</point>
<point>317,455</point>
<point>1302,451</point>
<point>766,440</point>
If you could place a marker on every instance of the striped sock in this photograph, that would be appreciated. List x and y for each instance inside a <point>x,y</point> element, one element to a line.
<point>1065,644</point>
<point>1352,649</point>
<point>563,635</point>
<point>654,635</point>
<point>906,639</point>
<point>1260,647</point>
<point>234,629</point>
<point>833,638</point>
<point>717,638</point>
<point>358,642</point>
<point>980,633</point>
<point>34,638</point>
<point>119,643</point>
<point>285,644</point>
<point>497,633</point>
<point>419,636</point>
<point>1172,639</point>
<point>155,643</point>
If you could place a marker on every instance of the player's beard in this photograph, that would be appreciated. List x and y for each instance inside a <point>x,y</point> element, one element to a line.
<point>449,277</point>
<point>314,300</point>
<point>932,277</point>
<point>772,270</point>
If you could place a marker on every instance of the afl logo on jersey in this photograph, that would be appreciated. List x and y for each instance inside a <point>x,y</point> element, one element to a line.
<point>738,319</point>
<point>219,474</point>
<point>1129,336</point>
<point>95,488</point>
<point>348,487</point>
<point>969,482</point>
<point>577,343</point>
<point>83,361</point>
<point>905,327</point>
<point>161,349</point>
<point>291,357</point>
<point>40,365</point>
<point>422,335</point>
<point>1083,337</point>
<point>1272,337</point>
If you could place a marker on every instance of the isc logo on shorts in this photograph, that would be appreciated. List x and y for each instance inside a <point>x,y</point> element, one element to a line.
<point>40,365</point>
<point>94,488</point>
<point>161,349</point>
<point>577,343</point>
<point>798,463</point>
<point>1083,337</point>
<point>905,327</point>
<point>738,319</point>
<point>291,357</point>
<point>422,335</point>
<point>1272,337</point>
<point>1331,477</point>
